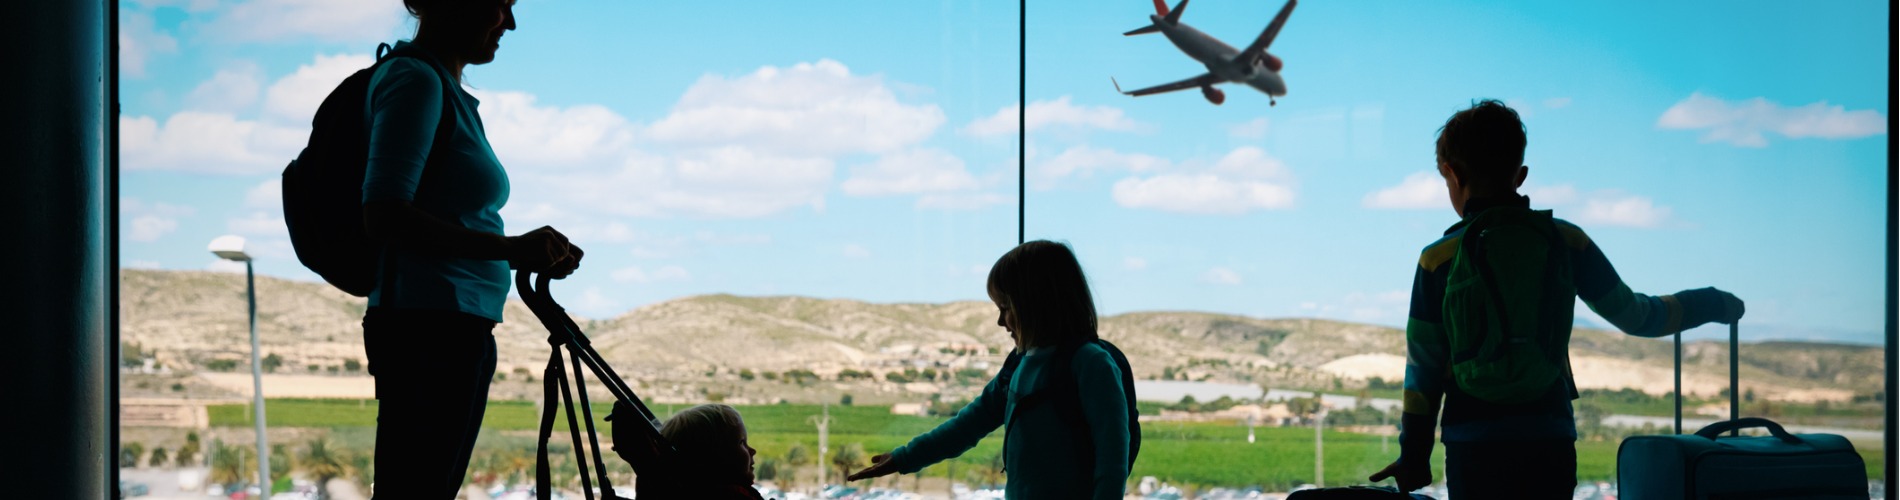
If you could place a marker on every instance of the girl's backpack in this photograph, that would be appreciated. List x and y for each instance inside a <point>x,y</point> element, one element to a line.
<point>1067,397</point>
<point>323,187</point>
<point>1509,301</point>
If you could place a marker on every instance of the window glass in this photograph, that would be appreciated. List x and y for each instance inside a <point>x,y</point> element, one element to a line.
<point>1242,248</point>
<point>789,208</point>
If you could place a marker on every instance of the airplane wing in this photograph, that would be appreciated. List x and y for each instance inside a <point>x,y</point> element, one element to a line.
<point>1259,45</point>
<point>1199,81</point>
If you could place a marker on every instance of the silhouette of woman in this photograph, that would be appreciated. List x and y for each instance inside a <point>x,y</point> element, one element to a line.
<point>444,278</point>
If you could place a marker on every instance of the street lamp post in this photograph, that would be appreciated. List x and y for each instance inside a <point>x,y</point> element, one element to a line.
<point>232,248</point>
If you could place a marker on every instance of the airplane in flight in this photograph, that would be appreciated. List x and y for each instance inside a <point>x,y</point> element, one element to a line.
<point>1252,66</point>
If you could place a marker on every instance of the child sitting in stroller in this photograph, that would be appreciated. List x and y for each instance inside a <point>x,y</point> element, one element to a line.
<point>710,458</point>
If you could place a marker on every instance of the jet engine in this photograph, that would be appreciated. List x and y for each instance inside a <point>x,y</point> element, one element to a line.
<point>1213,95</point>
<point>1272,63</point>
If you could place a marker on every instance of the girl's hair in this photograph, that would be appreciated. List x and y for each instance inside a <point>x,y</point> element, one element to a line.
<point>417,7</point>
<point>1042,282</point>
<point>703,427</point>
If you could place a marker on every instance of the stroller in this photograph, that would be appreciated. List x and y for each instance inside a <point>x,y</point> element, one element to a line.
<point>636,438</point>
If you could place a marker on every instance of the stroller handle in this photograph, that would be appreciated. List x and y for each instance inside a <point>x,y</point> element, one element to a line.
<point>562,331</point>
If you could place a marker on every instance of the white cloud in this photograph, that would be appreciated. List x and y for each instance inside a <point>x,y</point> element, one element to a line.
<point>1221,276</point>
<point>189,5</point>
<point>1200,194</point>
<point>258,224</point>
<point>1251,129</point>
<point>910,172</point>
<point>745,146</point>
<point>200,142</point>
<point>524,134</point>
<point>1557,102</point>
<point>1134,263</point>
<point>1048,114</point>
<point>296,96</point>
<point>637,275</point>
<point>266,196</point>
<point>139,42</point>
<point>1419,191</point>
<point>230,90</point>
<point>325,20</point>
<point>961,201</point>
<point>595,303</point>
<point>148,228</point>
<point>1084,161</point>
<point>856,251</point>
<point>1244,180</point>
<point>1563,194</point>
<point>1388,307</point>
<point>812,109</point>
<point>1614,209</point>
<point>725,182</point>
<point>1746,122</point>
<point>656,246</point>
<point>147,222</point>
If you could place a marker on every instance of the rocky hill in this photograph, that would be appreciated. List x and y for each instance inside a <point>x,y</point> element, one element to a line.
<point>191,321</point>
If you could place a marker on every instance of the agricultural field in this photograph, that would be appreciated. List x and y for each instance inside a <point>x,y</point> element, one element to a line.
<point>1181,453</point>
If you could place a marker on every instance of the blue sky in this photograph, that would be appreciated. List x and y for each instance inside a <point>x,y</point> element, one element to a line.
<point>867,150</point>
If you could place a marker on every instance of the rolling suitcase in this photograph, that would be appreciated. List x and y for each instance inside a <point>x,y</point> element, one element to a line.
<point>1708,465</point>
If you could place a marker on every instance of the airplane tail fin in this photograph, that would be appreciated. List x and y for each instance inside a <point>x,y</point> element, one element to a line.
<point>1161,9</point>
<point>1152,28</point>
<point>1174,16</point>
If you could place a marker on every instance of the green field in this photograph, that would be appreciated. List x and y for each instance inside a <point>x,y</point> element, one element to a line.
<point>1207,454</point>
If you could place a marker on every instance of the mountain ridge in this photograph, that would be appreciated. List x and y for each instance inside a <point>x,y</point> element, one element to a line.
<point>194,320</point>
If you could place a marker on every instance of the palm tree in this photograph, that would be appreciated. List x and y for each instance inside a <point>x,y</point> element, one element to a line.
<point>187,455</point>
<point>281,464</point>
<point>768,470</point>
<point>130,453</point>
<point>364,469</point>
<point>796,459</point>
<point>848,459</point>
<point>159,457</point>
<point>323,463</point>
<point>229,464</point>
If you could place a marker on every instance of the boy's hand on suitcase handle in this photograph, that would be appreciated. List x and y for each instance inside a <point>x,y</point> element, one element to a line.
<point>1408,477</point>
<point>1714,305</point>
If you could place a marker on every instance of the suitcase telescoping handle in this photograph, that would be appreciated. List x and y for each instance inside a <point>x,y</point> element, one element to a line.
<point>1734,382</point>
<point>1716,429</point>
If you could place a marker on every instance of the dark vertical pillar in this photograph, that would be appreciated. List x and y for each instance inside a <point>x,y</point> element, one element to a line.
<point>55,125</point>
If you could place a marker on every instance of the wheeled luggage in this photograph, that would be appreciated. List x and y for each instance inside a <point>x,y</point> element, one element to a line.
<point>1708,465</point>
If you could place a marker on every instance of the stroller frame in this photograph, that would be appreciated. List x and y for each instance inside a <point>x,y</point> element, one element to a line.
<point>562,332</point>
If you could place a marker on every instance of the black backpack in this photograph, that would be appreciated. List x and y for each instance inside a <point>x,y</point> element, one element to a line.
<point>1063,392</point>
<point>323,187</point>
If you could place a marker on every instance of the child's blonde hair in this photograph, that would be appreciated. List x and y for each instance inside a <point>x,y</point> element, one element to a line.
<point>703,427</point>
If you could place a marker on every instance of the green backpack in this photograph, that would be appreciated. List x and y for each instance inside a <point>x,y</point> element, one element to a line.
<point>1509,301</point>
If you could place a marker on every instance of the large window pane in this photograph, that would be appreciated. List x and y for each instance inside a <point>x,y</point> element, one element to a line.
<point>790,208</point>
<point>1245,247</point>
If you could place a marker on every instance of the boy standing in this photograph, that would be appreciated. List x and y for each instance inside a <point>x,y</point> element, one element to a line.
<point>1489,328</point>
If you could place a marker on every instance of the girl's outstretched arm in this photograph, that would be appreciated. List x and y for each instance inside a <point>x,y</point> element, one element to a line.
<point>953,437</point>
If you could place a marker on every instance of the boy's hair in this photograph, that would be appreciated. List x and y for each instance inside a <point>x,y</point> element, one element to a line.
<point>703,427</point>
<point>1484,144</point>
<point>1042,282</point>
